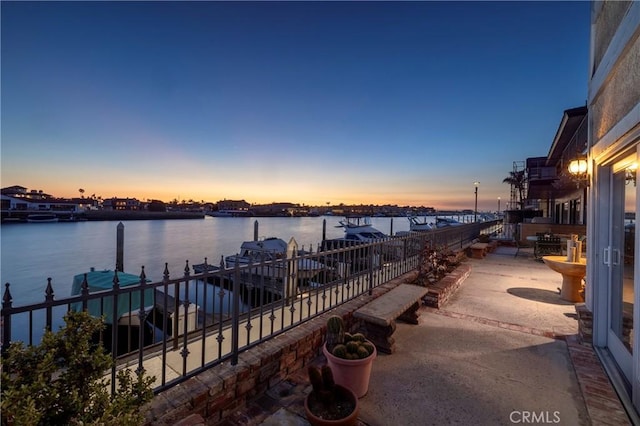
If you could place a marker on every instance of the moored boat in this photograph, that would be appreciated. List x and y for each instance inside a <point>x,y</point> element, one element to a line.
<point>417,225</point>
<point>271,250</point>
<point>442,222</point>
<point>42,218</point>
<point>360,229</point>
<point>230,213</point>
<point>126,314</point>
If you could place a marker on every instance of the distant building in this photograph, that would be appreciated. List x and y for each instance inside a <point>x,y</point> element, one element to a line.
<point>240,205</point>
<point>275,209</point>
<point>128,204</point>
<point>28,204</point>
<point>18,198</point>
<point>22,192</point>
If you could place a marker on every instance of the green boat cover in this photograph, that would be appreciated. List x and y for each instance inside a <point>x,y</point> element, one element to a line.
<point>103,280</point>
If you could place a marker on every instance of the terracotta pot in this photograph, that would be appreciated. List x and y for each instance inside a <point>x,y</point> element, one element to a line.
<point>351,373</point>
<point>341,393</point>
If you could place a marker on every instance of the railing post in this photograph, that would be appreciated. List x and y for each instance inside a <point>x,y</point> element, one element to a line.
<point>290,280</point>
<point>185,304</point>
<point>84,292</point>
<point>48,297</point>
<point>114,327</point>
<point>141,319</point>
<point>7,301</point>
<point>165,323</point>
<point>235,315</point>
<point>176,312</point>
<point>372,250</point>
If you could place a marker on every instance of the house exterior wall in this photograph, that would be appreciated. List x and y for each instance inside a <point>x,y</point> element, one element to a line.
<point>614,136</point>
<point>619,95</point>
<point>608,17</point>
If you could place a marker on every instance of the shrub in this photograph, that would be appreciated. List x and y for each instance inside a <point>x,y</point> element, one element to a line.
<point>62,380</point>
<point>434,264</point>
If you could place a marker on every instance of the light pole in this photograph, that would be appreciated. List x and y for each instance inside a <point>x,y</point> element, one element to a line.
<point>475,210</point>
<point>498,205</point>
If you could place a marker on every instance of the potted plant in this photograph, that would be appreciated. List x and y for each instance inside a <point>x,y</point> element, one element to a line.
<point>350,356</point>
<point>329,403</point>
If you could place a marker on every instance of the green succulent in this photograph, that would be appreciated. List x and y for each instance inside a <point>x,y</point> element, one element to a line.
<point>344,344</point>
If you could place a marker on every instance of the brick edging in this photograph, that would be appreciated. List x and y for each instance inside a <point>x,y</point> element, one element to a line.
<point>441,291</point>
<point>224,389</point>
<point>603,404</point>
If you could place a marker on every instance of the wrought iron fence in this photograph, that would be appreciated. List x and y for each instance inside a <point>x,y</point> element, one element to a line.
<point>178,327</point>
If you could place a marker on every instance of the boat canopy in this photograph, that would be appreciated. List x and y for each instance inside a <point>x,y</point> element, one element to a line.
<point>103,280</point>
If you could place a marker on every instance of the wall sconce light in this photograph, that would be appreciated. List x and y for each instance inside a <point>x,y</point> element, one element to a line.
<point>630,174</point>
<point>578,170</point>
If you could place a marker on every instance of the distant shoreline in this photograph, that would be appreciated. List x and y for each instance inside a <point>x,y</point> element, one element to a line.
<point>102,215</point>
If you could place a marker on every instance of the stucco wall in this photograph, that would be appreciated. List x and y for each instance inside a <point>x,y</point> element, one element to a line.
<point>621,92</point>
<point>609,16</point>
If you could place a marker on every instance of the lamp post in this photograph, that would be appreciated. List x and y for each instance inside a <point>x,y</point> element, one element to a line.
<point>475,210</point>
<point>498,205</point>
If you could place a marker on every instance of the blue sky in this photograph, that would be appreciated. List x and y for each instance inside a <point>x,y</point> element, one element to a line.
<point>310,102</point>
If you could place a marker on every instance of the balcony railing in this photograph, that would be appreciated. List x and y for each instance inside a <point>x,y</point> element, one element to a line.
<point>179,327</point>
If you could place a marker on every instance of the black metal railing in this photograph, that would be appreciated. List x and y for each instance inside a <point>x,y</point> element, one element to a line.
<point>178,327</point>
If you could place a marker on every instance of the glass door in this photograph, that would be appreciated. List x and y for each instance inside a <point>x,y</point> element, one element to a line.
<point>622,261</point>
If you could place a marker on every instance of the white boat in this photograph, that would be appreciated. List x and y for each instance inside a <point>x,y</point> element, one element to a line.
<point>442,222</point>
<point>230,213</point>
<point>267,249</point>
<point>416,225</point>
<point>360,229</point>
<point>270,250</point>
<point>42,218</point>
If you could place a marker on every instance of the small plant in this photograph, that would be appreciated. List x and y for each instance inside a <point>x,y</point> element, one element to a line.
<point>323,384</point>
<point>62,380</point>
<point>329,401</point>
<point>434,265</point>
<point>344,344</point>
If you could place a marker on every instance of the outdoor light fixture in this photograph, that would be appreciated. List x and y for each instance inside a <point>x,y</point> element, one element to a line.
<point>578,170</point>
<point>630,174</point>
<point>578,167</point>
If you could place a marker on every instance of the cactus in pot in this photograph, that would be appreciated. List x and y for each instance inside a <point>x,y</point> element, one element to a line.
<point>346,345</point>
<point>329,402</point>
<point>350,356</point>
<point>335,332</point>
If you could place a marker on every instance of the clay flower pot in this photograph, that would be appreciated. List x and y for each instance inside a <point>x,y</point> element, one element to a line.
<point>351,373</point>
<point>346,403</point>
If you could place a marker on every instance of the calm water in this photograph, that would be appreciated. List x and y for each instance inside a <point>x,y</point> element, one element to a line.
<point>34,251</point>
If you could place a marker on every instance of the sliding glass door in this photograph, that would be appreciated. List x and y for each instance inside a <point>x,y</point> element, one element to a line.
<point>621,258</point>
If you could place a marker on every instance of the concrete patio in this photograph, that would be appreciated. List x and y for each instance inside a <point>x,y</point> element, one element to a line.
<point>503,350</point>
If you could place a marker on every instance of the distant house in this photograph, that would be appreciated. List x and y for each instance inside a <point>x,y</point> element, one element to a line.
<point>16,190</point>
<point>551,189</point>
<point>128,204</point>
<point>18,198</point>
<point>50,204</point>
<point>231,205</point>
<point>22,192</point>
<point>275,209</point>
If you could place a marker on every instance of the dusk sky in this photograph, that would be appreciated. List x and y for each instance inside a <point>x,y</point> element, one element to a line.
<point>306,102</point>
